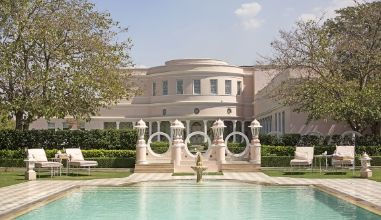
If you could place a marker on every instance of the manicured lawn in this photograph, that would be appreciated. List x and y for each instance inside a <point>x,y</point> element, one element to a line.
<point>17,176</point>
<point>339,174</point>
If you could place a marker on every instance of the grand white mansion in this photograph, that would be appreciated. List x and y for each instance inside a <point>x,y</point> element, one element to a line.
<point>198,92</point>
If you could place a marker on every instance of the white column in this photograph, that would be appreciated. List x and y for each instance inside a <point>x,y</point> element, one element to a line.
<point>234,128</point>
<point>205,129</point>
<point>117,124</point>
<point>150,128</point>
<point>243,127</point>
<point>187,127</point>
<point>158,129</point>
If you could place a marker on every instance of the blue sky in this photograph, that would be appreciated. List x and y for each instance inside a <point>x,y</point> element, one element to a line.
<point>231,30</point>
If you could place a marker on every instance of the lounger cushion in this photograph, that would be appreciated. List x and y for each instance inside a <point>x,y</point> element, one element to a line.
<point>38,154</point>
<point>76,155</point>
<point>84,163</point>
<point>47,164</point>
<point>301,155</point>
<point>297,162</point>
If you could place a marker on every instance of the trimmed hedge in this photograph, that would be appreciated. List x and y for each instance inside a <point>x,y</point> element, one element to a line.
<point>289,150</point>
<point>103,162</point>
<point>51,139</point>
<point>313,140</point>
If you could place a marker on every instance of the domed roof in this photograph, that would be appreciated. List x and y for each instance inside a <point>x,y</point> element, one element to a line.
<point>204,61</point>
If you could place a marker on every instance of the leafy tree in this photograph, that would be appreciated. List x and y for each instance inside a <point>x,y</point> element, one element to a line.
<point>340,63</point>
<point>59,58</point>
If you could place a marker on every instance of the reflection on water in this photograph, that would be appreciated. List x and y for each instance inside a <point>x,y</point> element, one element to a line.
<point>209,200</point>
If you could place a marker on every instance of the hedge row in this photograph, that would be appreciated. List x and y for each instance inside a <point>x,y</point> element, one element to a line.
<point>289,150</point>
<point>105,162</point>
<point>313,140</point>
<point>51,139</point>
<point>284,161</point>
<point>101,153</point>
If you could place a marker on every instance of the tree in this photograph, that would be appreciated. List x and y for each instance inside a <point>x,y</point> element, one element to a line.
<point>341,64</point>
<point>59,58</point>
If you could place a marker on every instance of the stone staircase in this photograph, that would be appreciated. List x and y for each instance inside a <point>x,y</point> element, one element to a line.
<point>154,168</point>
<point>240,166</point>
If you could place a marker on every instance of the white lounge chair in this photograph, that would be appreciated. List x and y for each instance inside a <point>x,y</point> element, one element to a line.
<point>38,154</point>
<point>344,156</point>
<point>77,160</point>
<point>303,157</point>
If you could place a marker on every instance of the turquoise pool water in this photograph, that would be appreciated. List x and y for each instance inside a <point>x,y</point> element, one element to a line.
<point>209,200</point>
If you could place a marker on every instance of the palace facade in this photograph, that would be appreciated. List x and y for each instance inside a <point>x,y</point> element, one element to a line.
<point>198,92</point>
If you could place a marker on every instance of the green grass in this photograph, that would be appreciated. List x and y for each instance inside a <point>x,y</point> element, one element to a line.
<point>339,174</point>
<point>17,176</point>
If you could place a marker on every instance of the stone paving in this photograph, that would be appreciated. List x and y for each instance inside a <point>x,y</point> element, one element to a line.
<point>366,193</point>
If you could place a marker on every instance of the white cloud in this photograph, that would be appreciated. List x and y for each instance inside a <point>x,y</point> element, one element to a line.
<point>328,11</point>
<point>247,13</point>
<point>248,9</point>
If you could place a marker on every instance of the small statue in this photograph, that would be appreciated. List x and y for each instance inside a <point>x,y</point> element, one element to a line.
<point>199,168</point>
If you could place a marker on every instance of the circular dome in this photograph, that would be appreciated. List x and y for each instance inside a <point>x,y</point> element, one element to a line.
<point>219,124</point>
<point>140,124</point>
<point>177,124</point>
<point>195,62</point>
<point>255,124</point>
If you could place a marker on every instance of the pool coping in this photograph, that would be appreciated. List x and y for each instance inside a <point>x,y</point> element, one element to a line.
<point>78,184</point>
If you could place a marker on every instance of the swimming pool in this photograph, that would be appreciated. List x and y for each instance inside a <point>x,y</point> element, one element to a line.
<point>209,200</point>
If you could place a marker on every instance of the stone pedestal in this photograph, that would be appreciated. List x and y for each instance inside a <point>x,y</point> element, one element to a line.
<point>366,173</point>
<point>30,175</point>
<point>176,152</point>
<point>141,152</point>
<point>220,149</point>
<point>255,151</point>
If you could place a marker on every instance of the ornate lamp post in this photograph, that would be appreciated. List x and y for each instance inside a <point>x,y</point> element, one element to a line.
<point>255,146</point>
<point>365,172</point>
<point>218,140</point>
<point>141,146</point>
<point>30,174</point>
<point>177,128</point>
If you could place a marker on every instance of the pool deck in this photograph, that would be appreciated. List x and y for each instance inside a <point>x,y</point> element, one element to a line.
<point>19,198</point>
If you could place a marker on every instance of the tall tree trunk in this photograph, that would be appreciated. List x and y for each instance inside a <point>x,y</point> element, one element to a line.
<point>19,120</point>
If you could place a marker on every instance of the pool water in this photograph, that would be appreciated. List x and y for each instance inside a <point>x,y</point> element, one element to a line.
<point>209,200</point>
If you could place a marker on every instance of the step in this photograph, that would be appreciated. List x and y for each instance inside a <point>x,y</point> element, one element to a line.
<point>154,168</point>
<point>240,167</point>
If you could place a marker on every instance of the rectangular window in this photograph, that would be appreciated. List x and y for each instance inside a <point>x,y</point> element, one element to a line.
<point>153,88</point>
<point>109,125</point>
<point>197,87</point>
<point>81,125</point>
<point>65,126</point>
<point>125,125</point>
<point>283,123</point>
<point>228,87</point>
<point>165,87</point>
<point>213,87</point>
<point>179,87</point>
<point>239,87</point>
<point>51,126</point>
<point>276,121</point>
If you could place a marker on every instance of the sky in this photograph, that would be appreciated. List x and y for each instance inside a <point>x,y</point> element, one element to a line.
<point>238,32</point>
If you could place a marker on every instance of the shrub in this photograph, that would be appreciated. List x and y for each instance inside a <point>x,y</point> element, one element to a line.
<point>50,139</point>
<point>159,147</point>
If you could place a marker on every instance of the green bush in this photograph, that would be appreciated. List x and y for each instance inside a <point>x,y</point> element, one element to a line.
<point>289,150</point>
<point>159,147</point>
<point>50,139</point>
<point>236,148</point>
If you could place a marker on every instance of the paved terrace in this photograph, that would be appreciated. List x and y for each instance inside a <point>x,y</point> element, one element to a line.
<point>15,198</point>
